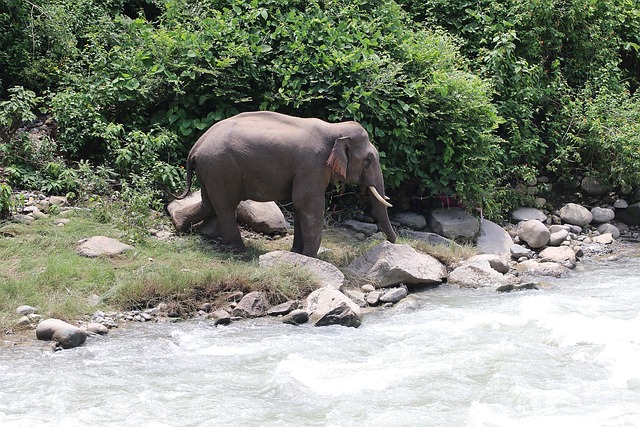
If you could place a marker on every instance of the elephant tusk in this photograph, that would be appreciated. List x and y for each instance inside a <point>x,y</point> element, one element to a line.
<point>379,197</point>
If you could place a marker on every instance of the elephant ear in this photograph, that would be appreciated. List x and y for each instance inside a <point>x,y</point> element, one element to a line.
<point>339,157</point>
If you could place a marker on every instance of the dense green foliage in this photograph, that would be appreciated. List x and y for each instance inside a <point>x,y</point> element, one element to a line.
<point>462,98</point>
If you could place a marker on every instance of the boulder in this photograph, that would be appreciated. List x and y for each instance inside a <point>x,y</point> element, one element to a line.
<point>63,333</point>
<point>328,274</point>
<point>527,214</point>
<point>562,255</point>
<point>296,317</point>
<point>454,223</point>
<point>519,251</point>
<point>430,238</point>
<point>534,233</point>
<point>604,239</point>
<point>575,214</point>
<point>25,310</point>
<point>102,246</point>
<point>533,267</point>
<point>394,295</point>
<point>475,275</point>
<point>361,227</point>
<point>557,238</point>
<point>609,228</point>
<point>498,263</point>
<point>329,306</point>
<point>94,328</point>
<point>253,304</point>
<point>602,215</point>
<point>493,239</point>
<point>411,220</point>
<point>630,215</point>
<point>592,186</point>
<point>220,317</point>
<point>389,264</point>
<point>284,308</point>
<point>263,217</point>
<point>373,297</point>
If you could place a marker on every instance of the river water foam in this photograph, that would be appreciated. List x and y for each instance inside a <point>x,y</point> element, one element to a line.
<point>567,354</point>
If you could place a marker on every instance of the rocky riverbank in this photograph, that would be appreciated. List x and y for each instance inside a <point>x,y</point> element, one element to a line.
<point>536,242</point>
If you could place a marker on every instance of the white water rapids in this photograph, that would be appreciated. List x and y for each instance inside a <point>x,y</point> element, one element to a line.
<point>567,354</point>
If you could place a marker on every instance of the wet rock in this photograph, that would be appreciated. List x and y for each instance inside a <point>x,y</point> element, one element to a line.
<point>517,287</point>
<point>328,306</point>
<point>296,317</point>
<point>328,274</point>
<point>284,308</point>
<point>63,333</point>
<point>527,214</point>
<point>390,264</point>
<point>394,295</point>
<point>454,223</point>
<point>102,246</point>
<point>263,217</point>
<point>602,215</point>
<point>575,214</point>
<point>252,304</point>
<point>493,239</point>
<point>534,233</point>
<point>220,317</point>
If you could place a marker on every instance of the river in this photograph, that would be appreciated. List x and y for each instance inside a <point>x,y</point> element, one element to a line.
<point>566,354</point>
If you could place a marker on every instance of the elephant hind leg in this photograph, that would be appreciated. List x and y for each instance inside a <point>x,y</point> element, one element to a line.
<point>225,208</point>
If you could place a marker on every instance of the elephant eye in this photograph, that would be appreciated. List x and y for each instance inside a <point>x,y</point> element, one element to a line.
<point>368,160</point>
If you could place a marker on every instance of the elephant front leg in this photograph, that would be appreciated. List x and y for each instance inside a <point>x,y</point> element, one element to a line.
<point>311,220</point>
<point>298,241</point>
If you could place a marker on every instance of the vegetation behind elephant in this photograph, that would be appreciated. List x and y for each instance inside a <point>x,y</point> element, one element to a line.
<point>267,156</point>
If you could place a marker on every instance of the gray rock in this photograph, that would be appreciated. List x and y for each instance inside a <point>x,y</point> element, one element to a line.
<point>58,200</point>
<point>25,310</point>
<point>22,219</point>
<point>389,264</point>
<point>102,246</point>
<point>95,328</point>
<point>368,288</point>
<point>620,204</point>
<point>535,268</point>
<point>521,287</point>
<point>602,215</point>
<point>328,274</point>
<point>556,227</point>
<point>630,215</point>
<point>430,238</point>
<point>562,255</point>
<point>609,228</point>
<point>575,214</point>
<point>394,295</point>
<point>373,298</point>
<point>220,317</point>
<point>592,186</point>
<point>253,304</point>
<point>361,227</point>
<point>454,223</point>
<point>527,214</point>
<point>519,251</point>
<point>356,296</point>
<point>557,238</point>
<point>263,217</point>
<point>493,239</point>
<point>63,333</point>
<point>296,317</point>
<point>534,233</point>
<point>410,219</point>
<point>329,306</point>
<point>604,239</point>
<point>476,275</point>
<point>498,263</point>
<point>284,308</point>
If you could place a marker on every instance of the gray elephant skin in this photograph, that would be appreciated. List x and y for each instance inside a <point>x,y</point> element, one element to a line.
<point>267,156</point>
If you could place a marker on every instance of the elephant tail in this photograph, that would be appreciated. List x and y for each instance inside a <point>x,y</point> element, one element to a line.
<point>190,167</point>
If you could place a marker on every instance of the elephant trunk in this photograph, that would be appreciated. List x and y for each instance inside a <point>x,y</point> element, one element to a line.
<point>380,213</point>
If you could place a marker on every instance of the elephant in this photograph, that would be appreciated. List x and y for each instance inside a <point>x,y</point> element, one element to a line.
<point>268,156</point>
